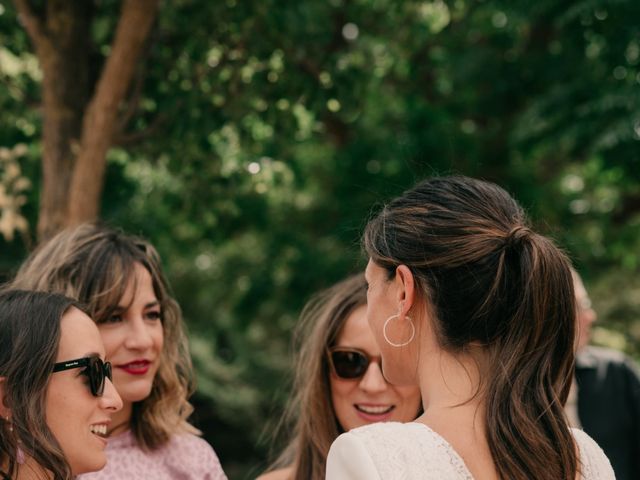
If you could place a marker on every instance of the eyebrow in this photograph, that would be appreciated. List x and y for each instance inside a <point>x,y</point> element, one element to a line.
<point>91,354</point>
<point>122,308</point>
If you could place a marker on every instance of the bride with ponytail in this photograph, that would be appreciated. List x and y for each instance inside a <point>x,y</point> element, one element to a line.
<point>477,309</point>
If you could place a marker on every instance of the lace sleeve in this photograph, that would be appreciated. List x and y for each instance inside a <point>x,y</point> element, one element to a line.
<point>348,459</point>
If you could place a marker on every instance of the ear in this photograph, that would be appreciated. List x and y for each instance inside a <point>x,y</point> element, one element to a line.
<point>406,289</point>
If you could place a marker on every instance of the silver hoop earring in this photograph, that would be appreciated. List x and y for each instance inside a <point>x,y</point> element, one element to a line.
<point>384,331</point>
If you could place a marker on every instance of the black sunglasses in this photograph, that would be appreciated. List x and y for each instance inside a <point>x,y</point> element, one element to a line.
<point>94,368</point>
<point>349,363</point>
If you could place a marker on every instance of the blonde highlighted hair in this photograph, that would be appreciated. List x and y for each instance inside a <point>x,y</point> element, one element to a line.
<point>310,413</point>
<point>93,264</point>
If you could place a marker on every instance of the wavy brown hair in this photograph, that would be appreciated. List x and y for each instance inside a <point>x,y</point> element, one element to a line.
<point>491,280</point>
<point>93,264</point>
<point>310,411</point>
<point>29,340</point>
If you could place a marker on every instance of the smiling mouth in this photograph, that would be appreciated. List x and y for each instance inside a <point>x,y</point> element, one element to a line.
<point>99,430</point>
<point>377,410</point>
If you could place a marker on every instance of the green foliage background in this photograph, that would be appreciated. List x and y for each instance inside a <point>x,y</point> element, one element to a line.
<point>269,130</point>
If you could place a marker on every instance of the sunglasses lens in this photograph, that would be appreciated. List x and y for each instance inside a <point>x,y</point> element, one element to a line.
<point>349,364</point>
<point>96,372</point>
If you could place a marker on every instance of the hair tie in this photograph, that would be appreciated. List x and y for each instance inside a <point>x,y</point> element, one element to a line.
<point>516,236</point>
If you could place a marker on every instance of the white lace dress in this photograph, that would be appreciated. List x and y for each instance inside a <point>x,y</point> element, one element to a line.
<point>412,451</point>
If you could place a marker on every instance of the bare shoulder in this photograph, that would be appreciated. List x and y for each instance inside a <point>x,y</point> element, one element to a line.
<point>280,474</point>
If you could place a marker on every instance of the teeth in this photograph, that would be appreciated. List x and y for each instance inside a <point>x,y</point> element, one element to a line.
<point>374,410</point>
<point>137,364</point>
<point>99,430</point>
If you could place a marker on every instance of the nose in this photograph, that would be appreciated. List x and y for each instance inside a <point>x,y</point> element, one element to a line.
<point>110,399</point>
<point>373,381</point>
<point>587,316</point>
<point>591,315</point>
<point>139,336</point>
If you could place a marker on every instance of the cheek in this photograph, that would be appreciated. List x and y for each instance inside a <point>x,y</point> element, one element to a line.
<point>341,399</point>
<point>61,412</point>
<point>375,323</point>
<point>158,336</point>
<point>112,338</point>
<point>400,364</point>
<point>341,392</point>
<point>339,388</point>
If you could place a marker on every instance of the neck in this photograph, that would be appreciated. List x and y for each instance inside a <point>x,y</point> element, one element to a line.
<point>450,383</point>
<point>121,420</point>
<point>30,470</point>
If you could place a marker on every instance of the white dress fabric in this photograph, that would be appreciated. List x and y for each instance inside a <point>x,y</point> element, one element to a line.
<point>412,451</point>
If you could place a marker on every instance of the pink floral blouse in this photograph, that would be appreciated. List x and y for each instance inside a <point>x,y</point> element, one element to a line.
<point>184,457</point>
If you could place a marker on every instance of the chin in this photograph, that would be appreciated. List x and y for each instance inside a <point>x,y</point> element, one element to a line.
<point>94,466</point>
<point>355,423</point>
<point>135,394</point>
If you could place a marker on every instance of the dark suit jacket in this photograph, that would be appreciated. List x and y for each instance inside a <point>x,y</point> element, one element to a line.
<point>609,406</point>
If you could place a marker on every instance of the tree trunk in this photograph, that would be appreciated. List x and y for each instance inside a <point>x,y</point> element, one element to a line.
<point>77,128</point>
<point>62,45</point>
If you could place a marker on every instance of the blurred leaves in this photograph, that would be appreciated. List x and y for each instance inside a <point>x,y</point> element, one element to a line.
<point>265,133</point>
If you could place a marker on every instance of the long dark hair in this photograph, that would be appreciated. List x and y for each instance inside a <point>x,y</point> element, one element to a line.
<point>310,412</point>
<point>491,280</point>
<point>29,340</point>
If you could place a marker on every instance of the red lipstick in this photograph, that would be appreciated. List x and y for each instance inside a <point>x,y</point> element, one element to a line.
<point>137,367</point>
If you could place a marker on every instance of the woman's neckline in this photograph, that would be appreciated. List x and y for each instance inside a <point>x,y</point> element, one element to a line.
<point>446,443</point>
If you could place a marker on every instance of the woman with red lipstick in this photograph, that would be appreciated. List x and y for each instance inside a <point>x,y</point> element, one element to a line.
<point>120,279</point>
<point>56,396</point>
<point>339,383</point>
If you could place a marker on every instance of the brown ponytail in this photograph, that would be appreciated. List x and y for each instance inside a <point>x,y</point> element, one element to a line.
<point>492,281</point>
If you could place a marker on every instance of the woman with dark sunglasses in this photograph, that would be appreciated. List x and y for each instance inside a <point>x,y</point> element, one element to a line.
<point>56,395</point>
<point>467,302</point>
<point>119,278</point>
<point>339,383</point>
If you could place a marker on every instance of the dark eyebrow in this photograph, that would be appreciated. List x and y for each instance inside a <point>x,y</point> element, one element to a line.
<point>123,308</point>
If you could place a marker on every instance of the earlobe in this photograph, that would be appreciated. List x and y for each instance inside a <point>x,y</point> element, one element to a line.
<point>406,288</point>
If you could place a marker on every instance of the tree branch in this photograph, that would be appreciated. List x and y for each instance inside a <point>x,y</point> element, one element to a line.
<point>32,23</point>
<point>122,139</point>
<point>136,92</point>
<point>100,121</point>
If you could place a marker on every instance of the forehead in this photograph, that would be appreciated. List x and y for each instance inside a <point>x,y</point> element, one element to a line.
<point>356,332</point>
<point>139,284</point>
<point>578,286</point>
<point>369,270</point>
<point>373,270</point>
<point>79,336</point>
